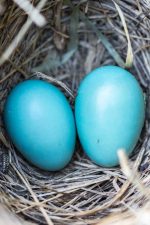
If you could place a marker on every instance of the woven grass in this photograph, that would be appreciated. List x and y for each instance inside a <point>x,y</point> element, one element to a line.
<point>82,193</point>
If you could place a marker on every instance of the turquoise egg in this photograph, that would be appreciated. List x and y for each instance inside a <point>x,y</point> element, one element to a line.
<point>40,123</point>
<point>109,111</point>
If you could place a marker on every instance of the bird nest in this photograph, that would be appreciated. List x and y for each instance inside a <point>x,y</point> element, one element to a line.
<point>77,37</point>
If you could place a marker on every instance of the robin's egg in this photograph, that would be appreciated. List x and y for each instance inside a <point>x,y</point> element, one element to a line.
<point>40,123</point>
<point>109,111</point>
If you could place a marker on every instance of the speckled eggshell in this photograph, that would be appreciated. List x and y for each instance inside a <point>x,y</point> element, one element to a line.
<point>109,111</point>
<point>40,123</point>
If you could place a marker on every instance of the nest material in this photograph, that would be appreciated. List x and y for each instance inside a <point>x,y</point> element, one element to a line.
<point>82,193</point>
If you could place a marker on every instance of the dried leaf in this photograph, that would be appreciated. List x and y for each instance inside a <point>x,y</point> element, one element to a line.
<point>51,61</point>
<point>54,60</point>
<point>104,41</point>
<point>59,40</point>
<point>89,59</point>
<point>73,43</point>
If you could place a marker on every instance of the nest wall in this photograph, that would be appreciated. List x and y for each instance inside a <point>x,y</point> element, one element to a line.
<point>83,192</point>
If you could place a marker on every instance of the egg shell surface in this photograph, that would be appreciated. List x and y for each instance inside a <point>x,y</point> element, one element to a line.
<point>109,111</point>
<point>40,123</point>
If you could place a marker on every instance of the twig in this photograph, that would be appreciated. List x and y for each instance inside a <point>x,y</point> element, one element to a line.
<point>33,12</point>
<point>7,53</point>
<point>48,220</point>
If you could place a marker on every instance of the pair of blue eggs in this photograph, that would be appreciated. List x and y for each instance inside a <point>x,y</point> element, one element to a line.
<point>109,115</point>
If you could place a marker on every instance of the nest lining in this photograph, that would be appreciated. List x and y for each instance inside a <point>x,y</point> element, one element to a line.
<point>83,192</point>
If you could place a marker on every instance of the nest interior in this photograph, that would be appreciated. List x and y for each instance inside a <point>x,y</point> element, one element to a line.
<point>66,49</point>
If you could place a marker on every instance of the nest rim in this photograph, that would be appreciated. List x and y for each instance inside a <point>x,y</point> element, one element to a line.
<point>70,196</point>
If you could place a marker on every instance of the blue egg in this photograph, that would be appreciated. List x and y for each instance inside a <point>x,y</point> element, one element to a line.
<point>40,123</point>
<point>109,111</point>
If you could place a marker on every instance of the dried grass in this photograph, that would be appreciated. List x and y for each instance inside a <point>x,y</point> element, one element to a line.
<point>82,193</point>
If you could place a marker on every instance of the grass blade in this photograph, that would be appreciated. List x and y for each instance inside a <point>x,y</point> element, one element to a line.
<point>129,58</point>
